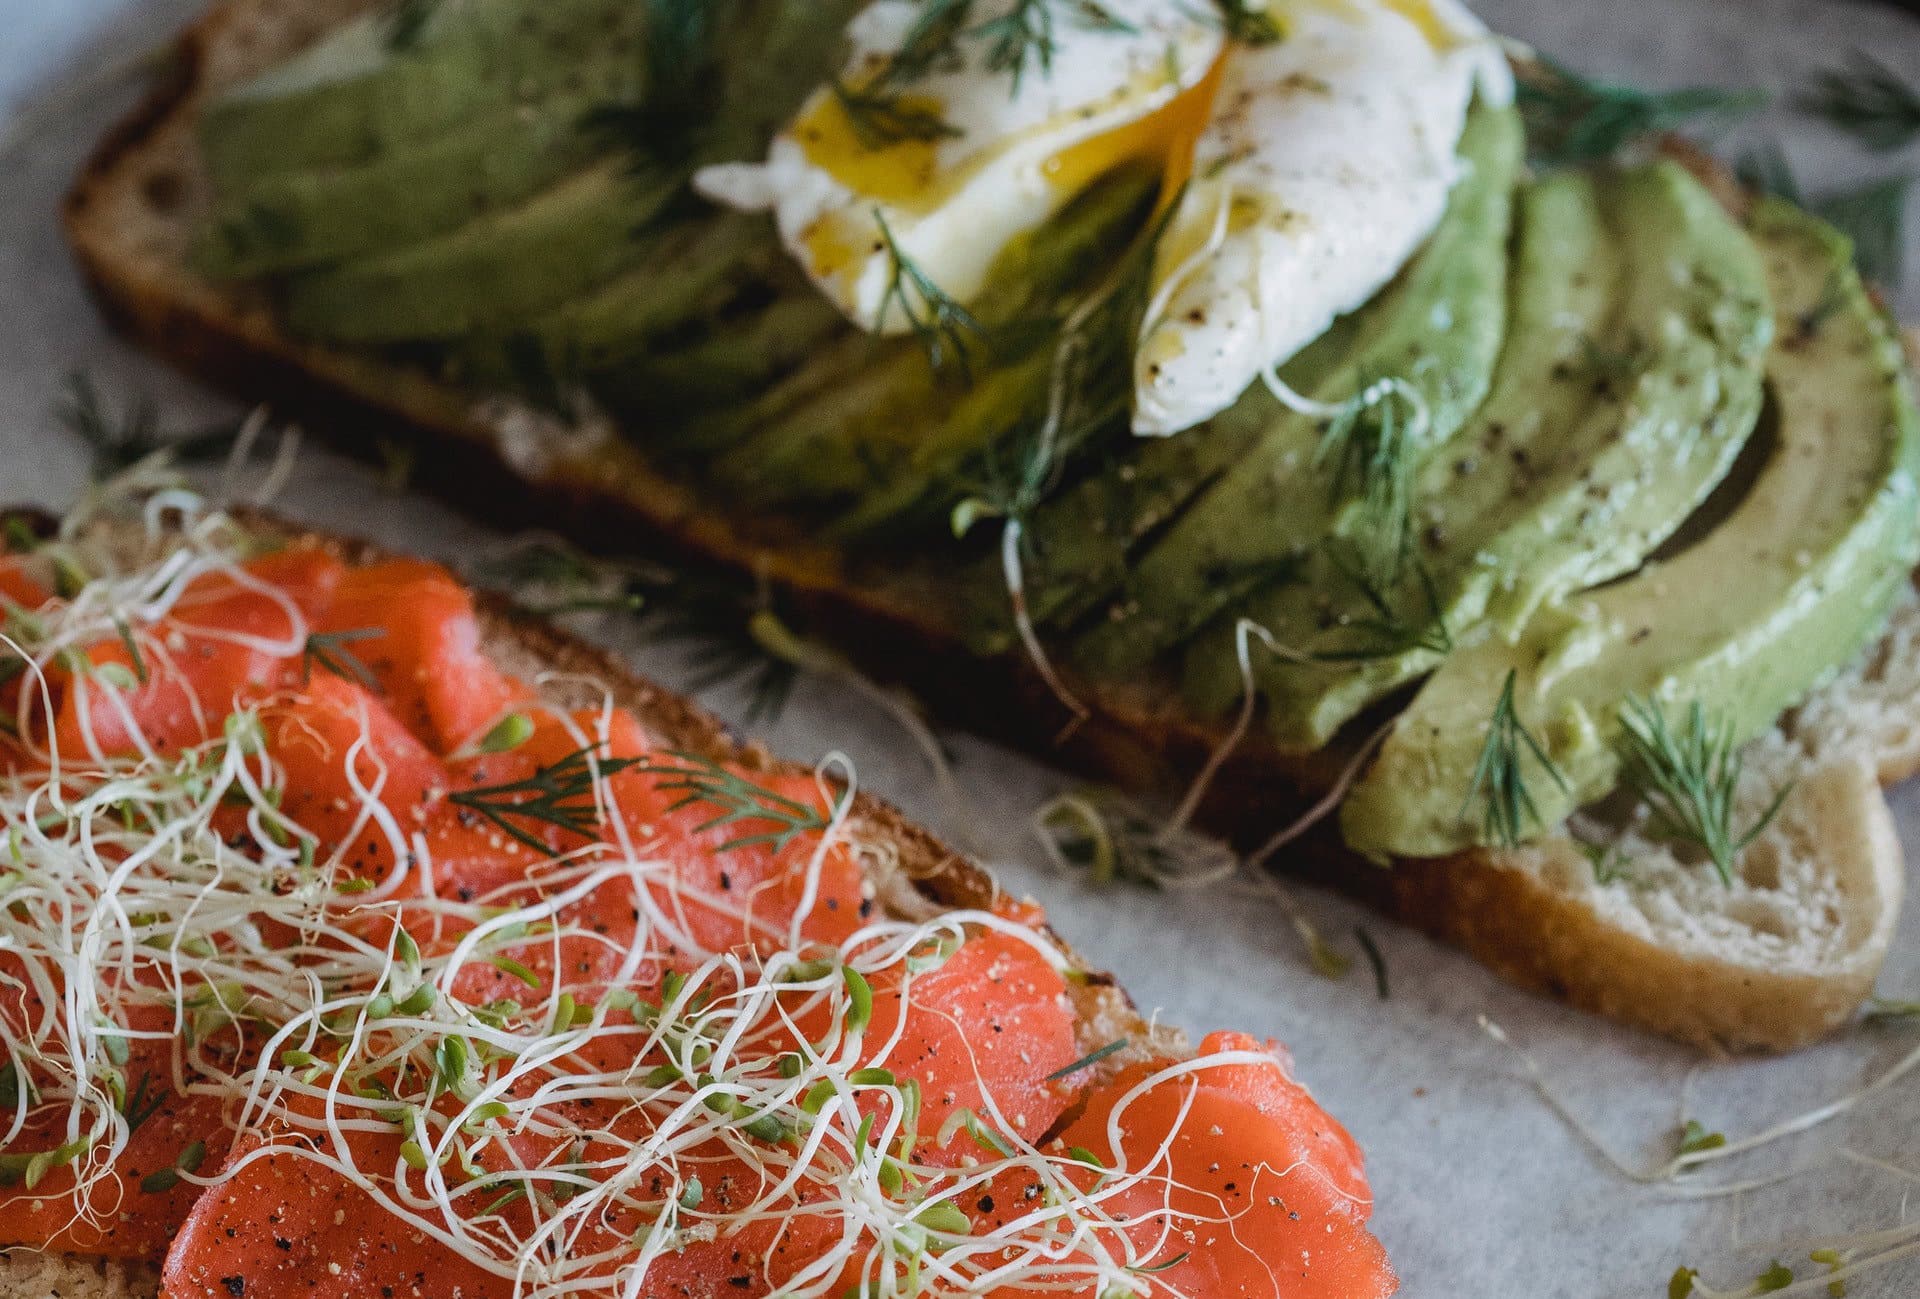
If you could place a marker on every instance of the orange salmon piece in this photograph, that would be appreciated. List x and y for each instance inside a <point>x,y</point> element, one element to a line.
<point>423,648</point>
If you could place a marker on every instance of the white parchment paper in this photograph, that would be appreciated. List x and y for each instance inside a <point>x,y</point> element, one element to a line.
<point>1481,1190</point>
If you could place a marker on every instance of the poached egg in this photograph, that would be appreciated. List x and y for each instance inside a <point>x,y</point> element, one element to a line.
<point>1326,163</point>
<point>971,150</point>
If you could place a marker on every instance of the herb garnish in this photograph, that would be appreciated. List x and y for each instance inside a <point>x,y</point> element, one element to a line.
<point>1371,442</point>
<point>1088,1060</point>
<point>945,328</point>
<point>1249,22</point>
<point>330,649</point>
<point>1868,100</point>
<point>1691,780</point>
<point>881,117</point>
<point>1499,778</point>
<point>1872,215</point>
<point>737,800</point>
<point>1026,31</point>
<point>1571,119</point>
<point>407,22</point>
<point>121,441</point>
<point>559,794</point>
<point>1390,632</point>
<point>1374,959</point>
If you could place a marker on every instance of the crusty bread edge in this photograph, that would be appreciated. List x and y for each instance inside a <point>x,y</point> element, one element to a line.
<point>1506,918</point>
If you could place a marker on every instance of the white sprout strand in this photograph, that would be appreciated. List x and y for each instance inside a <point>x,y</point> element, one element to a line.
<point>124,896</point>
<point>1328,802</point>
<point>1244,630</point>
<point>1665,1174</point>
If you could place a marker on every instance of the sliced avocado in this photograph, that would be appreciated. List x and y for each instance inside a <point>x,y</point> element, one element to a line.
<point>366,89</point>
<point>1628,385</point>
<point>1791,584</point>
<point>739,358</point>
<point>290,220</point>
<point>872,443</point>
<point>504,268</point>
<point>1438,327</point>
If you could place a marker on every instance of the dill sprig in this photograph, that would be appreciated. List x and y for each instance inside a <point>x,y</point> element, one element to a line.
<point>1571,119</point>
<point>737,801</point>
<point>1026,31</point>
<point>708,614</point>
<point>1690,780</point>
<point>681,87</point>
<point>333,651</point>
<point>1873,216</point>
<point>1867,99</point>
<point>945,328</point>
<point>1388,631</point>
<point>1249,22</point>
<point>559,794</point>
<point>1371,442</point>
<point>407,21</point>
<point>119,441</point>
<point>1499,777</point>
<point>882,117</point>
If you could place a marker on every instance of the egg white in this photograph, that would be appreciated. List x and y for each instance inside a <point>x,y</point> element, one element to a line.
<point>1327,162</point>
<point>1020,149</point>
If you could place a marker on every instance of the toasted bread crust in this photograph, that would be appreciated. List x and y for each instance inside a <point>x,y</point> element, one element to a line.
<point>613,500</point>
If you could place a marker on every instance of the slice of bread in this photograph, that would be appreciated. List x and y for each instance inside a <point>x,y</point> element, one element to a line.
<point>911,874</point>
<point>1775,962</point>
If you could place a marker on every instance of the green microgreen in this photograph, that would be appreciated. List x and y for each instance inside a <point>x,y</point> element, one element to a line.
<point>1088,1060</point>
<point>1695,1138</point>
<point>559,794</point>
<point>1375,959</point>
<point>1869,100</point>
<point>1690,780</point>
<point>1572,119</point>
<point>165,1179</point>
<point>507,734</point>
<point>1499,778</point>
<point>737,801</point>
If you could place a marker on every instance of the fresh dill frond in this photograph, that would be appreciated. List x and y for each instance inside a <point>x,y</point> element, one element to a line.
<point>1249,22</point>
<point>1389,633</point>
<point>1869,100</point>
<point>1500,778</point>
<point>736,800</point>
<point>559,794</point>
<point>1873,216</point>
<point>945,328</point>
<point>1690,780</point>
<point>1026,31</point>
<point>407,21</point>
<point>882,117</point>
<point>1371,444</point>
<point>119,441</point>
<point>332,651</point>
<point>932,44</point>
<point>1571,119</point>
<point>678,99</point>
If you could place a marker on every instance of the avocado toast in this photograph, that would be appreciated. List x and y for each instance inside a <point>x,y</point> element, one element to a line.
<point>1659,329</point>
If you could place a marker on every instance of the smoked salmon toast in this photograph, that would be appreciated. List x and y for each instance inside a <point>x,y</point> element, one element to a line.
<point>360,936</point>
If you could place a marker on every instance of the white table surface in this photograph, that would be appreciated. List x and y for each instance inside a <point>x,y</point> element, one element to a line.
<point>1480,1190</point>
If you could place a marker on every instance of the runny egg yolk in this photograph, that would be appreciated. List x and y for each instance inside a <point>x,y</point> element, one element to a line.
<point>906,175</point>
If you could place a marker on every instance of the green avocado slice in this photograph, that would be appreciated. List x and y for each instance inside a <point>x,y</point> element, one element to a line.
<point>360,92</point>
<point>1791,584</point>
<point>501,269</point>
<point>289,220</point>
<point>874,441</point>
<point>1628,386</point>
<point>1438,326</point>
